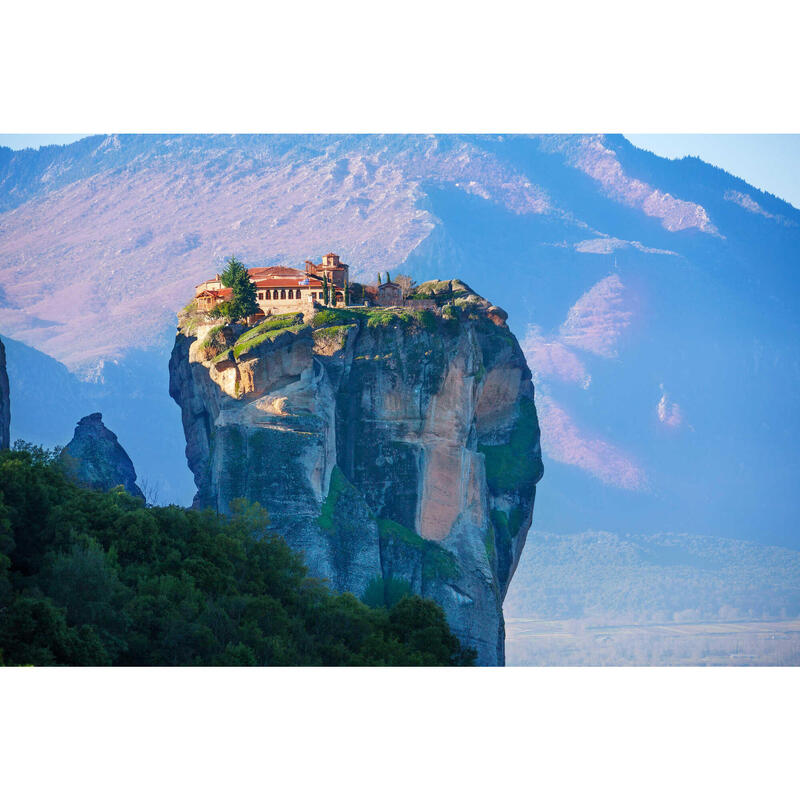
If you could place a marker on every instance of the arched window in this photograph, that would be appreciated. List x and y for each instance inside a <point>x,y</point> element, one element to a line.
<point>297,294</point>
<point>283,294</point>
<point>291,294</point>
<point>261,295</point>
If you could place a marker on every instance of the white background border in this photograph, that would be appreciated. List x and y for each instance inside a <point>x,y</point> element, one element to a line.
<point>406,67</point>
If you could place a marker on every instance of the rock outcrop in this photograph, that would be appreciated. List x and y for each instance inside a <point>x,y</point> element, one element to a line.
<point>397,448</point>
<point>97,460</point>
<point>5,401</point>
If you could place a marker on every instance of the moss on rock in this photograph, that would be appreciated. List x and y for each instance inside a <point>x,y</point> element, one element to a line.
<point>258,336</point>
<point>515,467</point>
<point>437,562</point>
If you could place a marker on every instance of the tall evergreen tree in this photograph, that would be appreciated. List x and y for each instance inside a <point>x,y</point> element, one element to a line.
<point>243,303</point>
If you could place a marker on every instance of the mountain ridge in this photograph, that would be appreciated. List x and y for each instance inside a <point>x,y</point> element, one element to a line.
<point>566,233</point>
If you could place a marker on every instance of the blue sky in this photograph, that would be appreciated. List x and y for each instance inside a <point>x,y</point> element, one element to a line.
<point>769,161</point>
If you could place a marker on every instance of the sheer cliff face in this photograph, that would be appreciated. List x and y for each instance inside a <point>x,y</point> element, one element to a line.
<point>5,404</point>
<point>398,448</point>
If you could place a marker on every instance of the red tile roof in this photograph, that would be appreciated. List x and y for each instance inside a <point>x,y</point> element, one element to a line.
<point>224,292</point>
<point>263,272</point>
<point>288,283</point>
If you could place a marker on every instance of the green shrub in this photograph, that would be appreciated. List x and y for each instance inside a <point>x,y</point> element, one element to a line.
<point>98,578</point>
<point>214,342</point>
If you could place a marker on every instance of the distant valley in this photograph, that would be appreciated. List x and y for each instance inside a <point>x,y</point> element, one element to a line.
<point>602,599</point>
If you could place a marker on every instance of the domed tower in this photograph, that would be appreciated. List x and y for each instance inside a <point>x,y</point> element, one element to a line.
<point>337,272</point>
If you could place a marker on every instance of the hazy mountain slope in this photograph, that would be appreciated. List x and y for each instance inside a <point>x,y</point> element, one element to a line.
<point>48,400</point>
<point>657,299</point>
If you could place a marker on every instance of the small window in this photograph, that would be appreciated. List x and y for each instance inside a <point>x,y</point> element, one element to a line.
<point>283,294</point>
<point>297,294</point>
<point>261,295</point>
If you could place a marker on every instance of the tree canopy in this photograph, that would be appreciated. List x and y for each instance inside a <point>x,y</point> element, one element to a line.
<point>98,578</point>
<point>243,303</point>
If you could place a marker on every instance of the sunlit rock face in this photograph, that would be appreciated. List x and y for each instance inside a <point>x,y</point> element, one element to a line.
<point>5,404</point>
<point>397,448</point>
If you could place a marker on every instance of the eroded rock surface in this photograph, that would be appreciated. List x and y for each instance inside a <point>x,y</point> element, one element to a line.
<point>398,448</point>
<point>97,460</point>
<point>5,401</point>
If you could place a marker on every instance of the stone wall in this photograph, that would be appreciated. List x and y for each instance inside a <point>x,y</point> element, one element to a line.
<point>305,305</point>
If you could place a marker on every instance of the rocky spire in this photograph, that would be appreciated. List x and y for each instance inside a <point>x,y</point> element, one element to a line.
<point>97,459</point>
<point>397,449</point>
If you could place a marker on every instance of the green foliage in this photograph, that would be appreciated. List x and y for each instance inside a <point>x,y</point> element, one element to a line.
<point>488,544</point>
<point>333,316</point>
<point>356,292</point>
<point>515,520</point>
<point>422,625</point>
<point>382,593</point>
<point>338,485</point>
<point>243,303</point>
<point>333,333</point>
<point>500,524</point>
<point>375,317</point>
<point>267,330</point>
<point>241,348</point>
<point>384,317</point>
<point>214,344</point>
<point>441,291</point>
<point>96,578</point>
<point>225,355</point>
<point>437,562</point>
<point>326,292</point>
<point>515,467</point>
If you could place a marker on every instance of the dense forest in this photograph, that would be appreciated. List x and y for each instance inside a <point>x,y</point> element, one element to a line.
<point>99,578</point>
